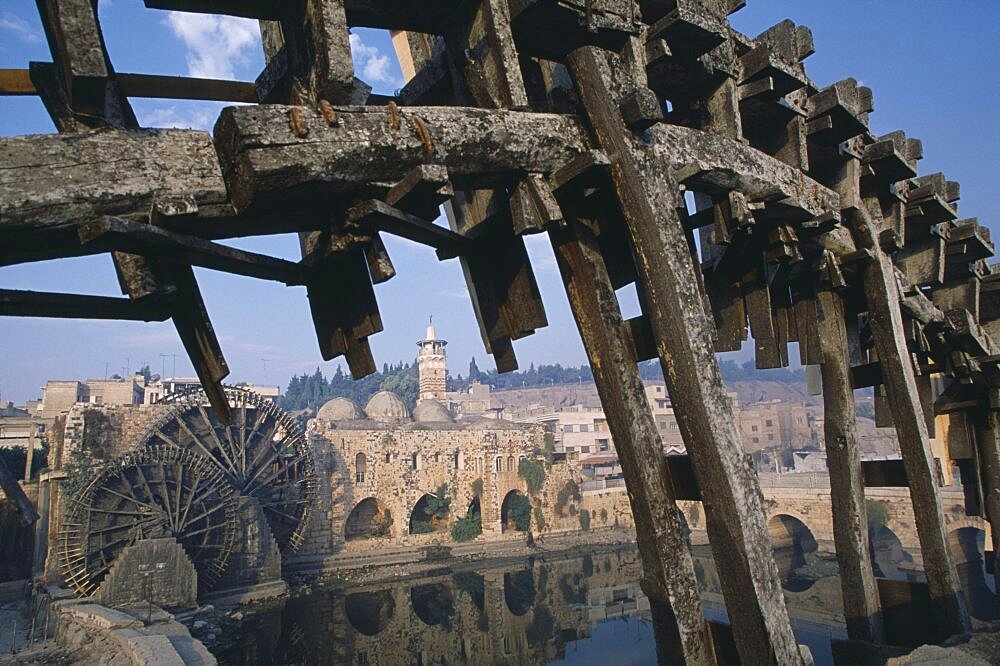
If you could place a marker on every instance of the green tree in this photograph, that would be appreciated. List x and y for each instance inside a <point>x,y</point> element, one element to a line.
<point>519,511</point>
<point>439,504</point>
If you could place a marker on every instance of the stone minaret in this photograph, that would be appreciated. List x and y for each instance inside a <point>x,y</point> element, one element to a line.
<point>432,366</point>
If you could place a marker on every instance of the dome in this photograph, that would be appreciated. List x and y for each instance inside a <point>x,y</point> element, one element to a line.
<point>386,407</point>
<point>339,409</point>
<point>430,411</point>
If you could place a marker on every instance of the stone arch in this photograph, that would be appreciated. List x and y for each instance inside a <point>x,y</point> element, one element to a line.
<point>507,513</point>
<point>370,612</point>
<point>519,591</point>
<point>360,467</point>
<point>887,553</point>
<point>422,521</point>
<point>794,547</point>
<point>968,546</point>
<point>434,604</point>
<point>365,520</point>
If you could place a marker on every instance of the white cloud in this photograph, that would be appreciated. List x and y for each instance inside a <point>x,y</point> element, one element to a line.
<point>216,45</point>
<point>24,32</point>
<point>189,116</point>
<point>371,64</point>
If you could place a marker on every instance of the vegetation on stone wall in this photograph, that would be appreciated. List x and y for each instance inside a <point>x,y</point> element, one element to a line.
<point>477,488</point>
<point>541,630</point>
<point>570,490</point>
<point>439,504</point>
<point>584,520</point>
<point>533,473</point>
<point>78,470</point>
<point>468,527</point>
<point>15,458</point>
<point>604,515</point>
<point>539,518</point>
<point>97,434</point>
<point>548,450</point>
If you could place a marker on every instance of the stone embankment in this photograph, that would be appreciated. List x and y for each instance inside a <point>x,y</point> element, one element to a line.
<point>85,632</point>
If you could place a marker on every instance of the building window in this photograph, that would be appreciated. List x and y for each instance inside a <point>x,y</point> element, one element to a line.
<point>499,464</point>
<point>769,423</point>
<point>756,440</point>
<point>510,464</point>
<point>416,461</point>
<point>567,428</point>
<point>770,438</point>
<point>360,467</point>
<point>753,428</point>
<point>603,445</point>
<point>584,427</point>
<point>388,458</point>
<point>584,449</point>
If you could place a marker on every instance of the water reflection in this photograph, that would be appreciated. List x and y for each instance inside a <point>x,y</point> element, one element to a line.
<point>583,610</point>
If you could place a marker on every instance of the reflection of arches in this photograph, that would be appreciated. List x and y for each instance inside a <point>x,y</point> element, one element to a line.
<point>423,521</point>
<point>369,612</point>
<point>519,591</point>
<point>360,467</point>
<point>363,520</point>
<point>433,604</point>
<point>794,547</point>
<point>967,545</point>
<point>515,512</point>
<point>887,553</point>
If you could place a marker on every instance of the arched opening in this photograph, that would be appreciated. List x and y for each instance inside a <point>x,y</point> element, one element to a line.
<point>794,550</point>
<point>519,591</point>
<point>887,554</point>
<point>499,464</point>
<point>968,545</point>
<point>515,512</point>
<point>367,520</point>
<point>360,468</point>
<point>369,612</point>
<point>430,514</point>
<point>433,604</point>
<point>474,506</point>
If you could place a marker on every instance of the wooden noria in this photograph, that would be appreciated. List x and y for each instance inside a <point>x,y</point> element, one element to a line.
<point>589,121</point>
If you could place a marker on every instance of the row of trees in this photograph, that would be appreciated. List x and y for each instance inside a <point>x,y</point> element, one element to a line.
<point>311,391</point>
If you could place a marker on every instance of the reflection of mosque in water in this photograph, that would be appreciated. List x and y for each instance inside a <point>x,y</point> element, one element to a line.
<point>533,613</point>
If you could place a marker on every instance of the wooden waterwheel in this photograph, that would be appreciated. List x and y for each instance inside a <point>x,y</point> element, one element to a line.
<point>262,453</point>
<point>158,491</point>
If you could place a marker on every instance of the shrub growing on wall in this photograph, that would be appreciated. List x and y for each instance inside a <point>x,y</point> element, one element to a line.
<point>477,488</point>
<point>539,518</point>
<point>585,519</point>
<point>380,527</point>
<point>533,473</point>
<point>569,491</point>
<point>467,528</point>
<point>604,515</point>
<point>520,512</point>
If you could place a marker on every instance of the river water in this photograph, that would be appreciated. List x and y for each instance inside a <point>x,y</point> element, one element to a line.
<point>550,609</point>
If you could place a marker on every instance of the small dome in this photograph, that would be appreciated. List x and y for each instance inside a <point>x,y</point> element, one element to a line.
<point>430,411</point>
<point>339,409</point>
<point>386,407</point>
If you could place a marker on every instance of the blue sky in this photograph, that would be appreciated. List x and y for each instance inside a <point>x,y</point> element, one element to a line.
<point>932,65</point>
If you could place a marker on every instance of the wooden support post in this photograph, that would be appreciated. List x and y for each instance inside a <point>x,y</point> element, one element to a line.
<point>669,581</point>
<point>669,284</point>
<point>914,442</point>
<point>988,446</point>
<point>12,489</point>
<point>847,492</point>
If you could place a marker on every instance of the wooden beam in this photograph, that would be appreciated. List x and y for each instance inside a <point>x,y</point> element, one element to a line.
<point>19,82</point>
<point>62,180</point>
<point>16,82</point>
<point>847,488</point>
<point>375,215</point>
<point>12,489</point>
<point>669,570</point>
<point>114,233</point>
<point>480,148</point>
<point>672,299</point>
<point>14,303</point>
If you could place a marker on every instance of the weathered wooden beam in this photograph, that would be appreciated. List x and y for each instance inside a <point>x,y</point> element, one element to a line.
<point>480,148</point>
<point>114,233</point>
<point>19,82</point>
<point>907,414</point>
<point>987,425</point>
<point>62,180</point>
<point>375,215</point>
<point>12,489</point>
<point>489,66</point>
<point>14,303</point>
<point>847,490</point>
<point>673,301</point>
<point>669,570</point>
<point>422,191</point>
